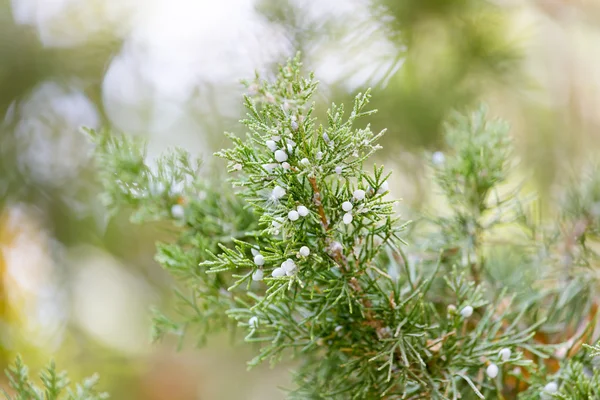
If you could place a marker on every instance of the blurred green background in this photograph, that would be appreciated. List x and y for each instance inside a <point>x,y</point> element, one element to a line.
<point>77,287</point>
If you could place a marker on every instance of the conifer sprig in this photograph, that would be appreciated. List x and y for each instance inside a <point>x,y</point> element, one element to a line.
<point>55,385</point>
<point>306,256</point>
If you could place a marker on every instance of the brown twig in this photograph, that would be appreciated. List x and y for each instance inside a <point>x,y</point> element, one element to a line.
<point>317,201</point>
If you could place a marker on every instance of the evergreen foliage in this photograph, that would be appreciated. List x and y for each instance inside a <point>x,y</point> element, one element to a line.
<point>55,385</point>
<point>306,255</point>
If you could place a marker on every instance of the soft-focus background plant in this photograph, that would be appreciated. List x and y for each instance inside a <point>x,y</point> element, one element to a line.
<point>77,287</point>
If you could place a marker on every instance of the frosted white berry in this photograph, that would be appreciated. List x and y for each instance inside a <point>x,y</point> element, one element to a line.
<point>178,211</point>
<point>492,371</point>
<point>271,145</point>
<point>293,215</point>
<point>278,273</point>
<point>319,155</point>
<point>259,260</point>
<point>359,194</point>
<point>281,155</point>
<point>237,167</point>
<point>504,354</point>
<point>303,211</point>
<point>288,265</point>
<point>304,161</point>
<point>290,148</point>
<point>347,218</point>
<point>338,170</point>
<point>304,251</point>
<point>294,125</point>
<point>286,165</point>
<point>253,322</point>
<point>347,206</point>
<point>466,312</point>
<point>270,167</point>
<point>326,137</point>
<point>156,188</point>
<point>438,158</point>
<point>384,187</point>
<point>258,275</point>
<point>278,192</point>
<point>548,390</point>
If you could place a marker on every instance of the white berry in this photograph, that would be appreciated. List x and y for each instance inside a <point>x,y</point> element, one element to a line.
<point>347,218</point>
<point>384,187</point>
<point>504,354</point>
<point>278,273</point>
<point>293,215</point>
<point>259,260</point>
<point>288,265</point>
<point>304,251</point>
<point>347,206</point>
<point>253,322</point>
<point>270,167</point>
<point>338,170</point>
<point>237,167</point>
<point>294,125</point>
<point>551,387</point>
<point>271,145</point>
<point>254,251</point>
<point>466,312</point>
<point>304,161</point>
<point>278,192</point>
<point>319,155</point>
<point>178,211</point>
<point>281,155</point>
<point>438,158</point>
<point>359,194</point>
<point>303,211</point>
<point>492,371</point>
<point>258,275</point>
<point>286,165</point>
